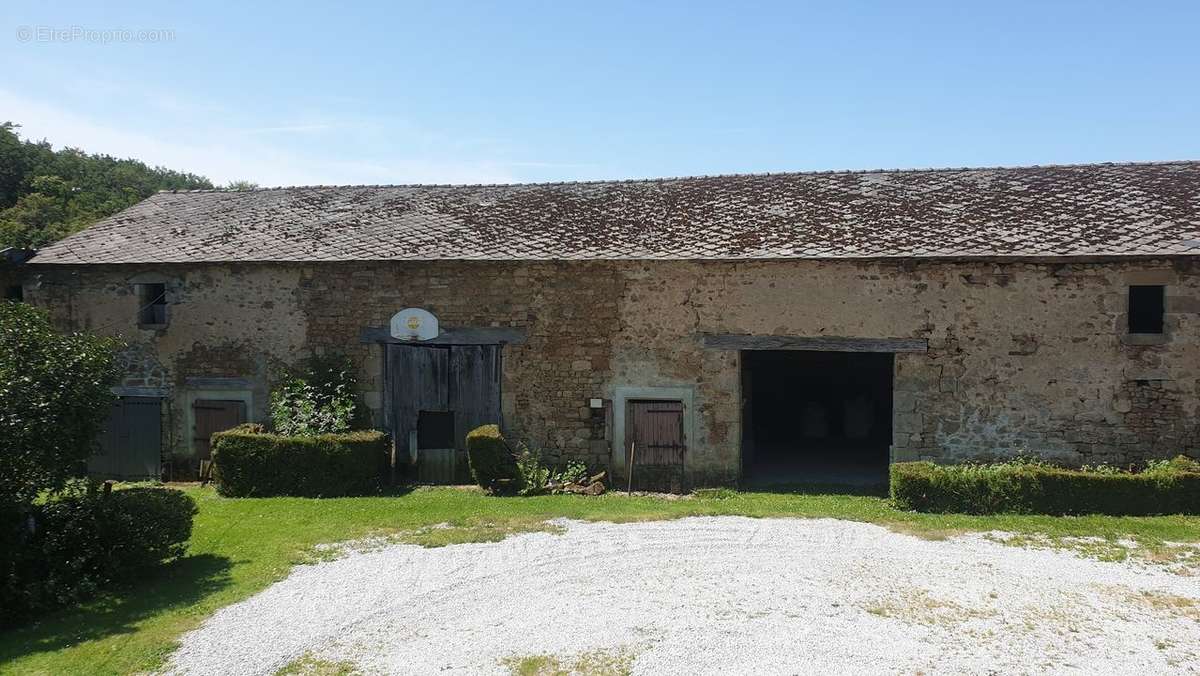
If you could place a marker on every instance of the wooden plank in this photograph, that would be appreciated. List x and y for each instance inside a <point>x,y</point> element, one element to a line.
<point>474,388</point>
<point>417,380</point>
<point>461,336</point>
<point>436,466</point>
<point>729,341</point>
<point>143,418</point>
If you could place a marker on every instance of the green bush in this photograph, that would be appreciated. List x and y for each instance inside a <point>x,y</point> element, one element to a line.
<point>1167,487</point>
<point>493,463</point>
<point>248,462</point>
<point>54,399</point>
<point>62,551</point>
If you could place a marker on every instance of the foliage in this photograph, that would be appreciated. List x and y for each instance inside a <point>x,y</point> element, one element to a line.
<point>68,547</point>
<point>1166,487</point>
<point>537,477</point>
<point>54,399</point>
<point>47,194</point>
<point>240,547</point>
<point>309,665</point>
<point>534,475</point>
<point>250,462</point>
<point>320,399</point>
<point>493,463</point>
<point>241,185</point>
<point>597,663</point>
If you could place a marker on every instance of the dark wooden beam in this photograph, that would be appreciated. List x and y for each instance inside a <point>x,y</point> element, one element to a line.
<point>732,341</point>
<point>461,336</point>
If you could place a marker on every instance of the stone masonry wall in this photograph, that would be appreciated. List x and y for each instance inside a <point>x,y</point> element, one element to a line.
<point>1023,357</point>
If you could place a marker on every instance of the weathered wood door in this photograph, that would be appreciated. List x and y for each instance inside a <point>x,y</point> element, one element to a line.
<point>462,381</point>
<point>211,416</point>
<point>656,428</point>
<point>131,443</point>
<point>474,388</point>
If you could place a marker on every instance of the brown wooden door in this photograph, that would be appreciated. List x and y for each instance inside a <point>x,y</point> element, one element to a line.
<point>211,416</point>
<point>656,430</point>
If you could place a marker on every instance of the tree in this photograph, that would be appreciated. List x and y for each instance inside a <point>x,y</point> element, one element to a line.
<point>54,399</point>
<point>241,185</point>
<point>14,164</point>
<point>47,194</point>
<point>38,217</point>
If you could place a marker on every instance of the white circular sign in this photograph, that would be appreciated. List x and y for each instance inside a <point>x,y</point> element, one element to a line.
<point>414,324</point>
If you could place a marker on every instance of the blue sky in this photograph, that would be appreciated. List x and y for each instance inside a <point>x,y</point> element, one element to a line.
<point>535,91</point>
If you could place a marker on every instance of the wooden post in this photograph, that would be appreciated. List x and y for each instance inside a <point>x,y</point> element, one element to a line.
<point>629,470</point>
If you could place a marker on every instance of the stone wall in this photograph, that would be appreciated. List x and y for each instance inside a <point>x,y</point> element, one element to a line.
<point>1023,357</point>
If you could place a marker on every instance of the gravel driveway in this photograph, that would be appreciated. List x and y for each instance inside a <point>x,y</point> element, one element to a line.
<point>713,595</point>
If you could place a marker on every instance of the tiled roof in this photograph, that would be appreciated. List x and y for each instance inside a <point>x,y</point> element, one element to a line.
<point>1150,209</point>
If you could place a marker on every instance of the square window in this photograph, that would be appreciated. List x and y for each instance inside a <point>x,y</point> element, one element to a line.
<point>435,429</point>
<point>15,293</point>
<point>152,304</point>
<point>1146,307</point>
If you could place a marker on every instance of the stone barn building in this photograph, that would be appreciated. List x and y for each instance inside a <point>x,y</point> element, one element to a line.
<point>790,327</point>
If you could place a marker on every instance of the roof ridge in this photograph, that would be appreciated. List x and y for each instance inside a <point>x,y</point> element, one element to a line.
<point>664,179</point>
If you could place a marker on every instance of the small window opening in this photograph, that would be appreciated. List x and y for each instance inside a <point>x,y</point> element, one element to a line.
<point>152,304</point>
<point>1146,308</point>
<point>435,429</point>
<point>15,293</point>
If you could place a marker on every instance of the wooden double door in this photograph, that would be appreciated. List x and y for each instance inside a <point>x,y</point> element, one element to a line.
<point>435,395</point>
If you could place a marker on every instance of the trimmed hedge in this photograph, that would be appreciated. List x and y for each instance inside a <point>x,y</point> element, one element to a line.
<point>63,551</point>
<point>249,462</point>
<point>493,463</point>
<point>1026,488</point>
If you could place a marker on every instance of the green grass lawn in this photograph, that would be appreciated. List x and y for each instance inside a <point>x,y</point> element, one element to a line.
<point>240,546</point>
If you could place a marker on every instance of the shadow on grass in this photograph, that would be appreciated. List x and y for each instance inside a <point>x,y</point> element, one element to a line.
<point>869,490</point>
<point>397,490</point>
<point>117,610</point>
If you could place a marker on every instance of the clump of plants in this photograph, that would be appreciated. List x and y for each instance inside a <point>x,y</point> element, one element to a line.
<point>538,477</point>
<point>502,469</point>
<point>319,398</point>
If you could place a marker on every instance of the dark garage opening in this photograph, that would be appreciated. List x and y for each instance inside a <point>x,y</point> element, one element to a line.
<point>816,417</point>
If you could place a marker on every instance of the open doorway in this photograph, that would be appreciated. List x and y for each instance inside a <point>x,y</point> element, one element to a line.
<point>816,417</point>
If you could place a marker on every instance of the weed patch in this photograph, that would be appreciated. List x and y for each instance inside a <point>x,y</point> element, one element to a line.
<point>596,663</point>
<point>307,665</point>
